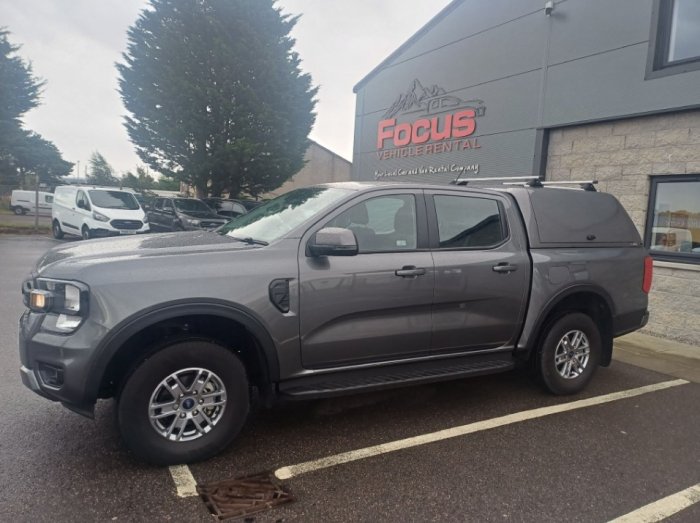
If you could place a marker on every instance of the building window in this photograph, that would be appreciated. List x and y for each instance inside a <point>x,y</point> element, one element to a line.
<point>675,38</point>
<point>673,220</point>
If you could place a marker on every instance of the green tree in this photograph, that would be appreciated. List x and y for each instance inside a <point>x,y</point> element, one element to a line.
<point>167,184</point>
<point>216,94</point>
<point>23,154</point>
<point>35,156</point>
<point>141,180</point>
<point>100,172</point>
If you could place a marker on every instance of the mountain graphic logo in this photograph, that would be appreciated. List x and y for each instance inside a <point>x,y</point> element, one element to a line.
<point>430,100</point>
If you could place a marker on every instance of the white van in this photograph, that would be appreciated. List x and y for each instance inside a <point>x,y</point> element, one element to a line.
<point>23,202</point>
<point>90,212</point>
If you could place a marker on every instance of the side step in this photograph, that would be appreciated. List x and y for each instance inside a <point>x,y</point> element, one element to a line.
<point>397,375</point>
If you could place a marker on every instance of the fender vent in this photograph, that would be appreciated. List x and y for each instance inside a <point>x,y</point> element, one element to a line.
<point>279,294</point>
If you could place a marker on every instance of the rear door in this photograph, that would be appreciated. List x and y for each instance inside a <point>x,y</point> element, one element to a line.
<point>482,270</point>
<point>376,305</point>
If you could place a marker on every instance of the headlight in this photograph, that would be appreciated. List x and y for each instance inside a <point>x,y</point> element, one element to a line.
<point>64,302</point>
<point>99,216</point>
<point>193,222</point>
<point>145,218</point>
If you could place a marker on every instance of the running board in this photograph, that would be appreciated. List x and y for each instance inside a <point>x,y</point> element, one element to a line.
<point>375,378</point>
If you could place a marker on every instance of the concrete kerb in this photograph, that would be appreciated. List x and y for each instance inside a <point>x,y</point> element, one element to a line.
<point>662,355</point>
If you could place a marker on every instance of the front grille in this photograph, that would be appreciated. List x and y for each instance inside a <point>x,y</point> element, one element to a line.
<point>126,224</point>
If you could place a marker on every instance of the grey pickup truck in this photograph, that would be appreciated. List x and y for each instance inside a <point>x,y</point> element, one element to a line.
<point>328,290</point>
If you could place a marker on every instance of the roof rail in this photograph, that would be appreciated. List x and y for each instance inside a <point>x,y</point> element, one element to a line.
<point>586,185</point>
<point>457,181</point>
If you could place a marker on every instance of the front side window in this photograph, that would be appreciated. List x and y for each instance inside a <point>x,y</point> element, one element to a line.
<point>468,222</point>
<point>675,43</point>
<point>82,201</point>
<point>673,223</point>
<point>382,224</point>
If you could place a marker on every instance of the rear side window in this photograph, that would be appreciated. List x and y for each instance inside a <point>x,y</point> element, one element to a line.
<point>468,222</point>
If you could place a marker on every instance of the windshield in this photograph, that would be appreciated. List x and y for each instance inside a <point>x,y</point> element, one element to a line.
<point>191,205</point>
<point>279,216</point>
<point>114,200</point>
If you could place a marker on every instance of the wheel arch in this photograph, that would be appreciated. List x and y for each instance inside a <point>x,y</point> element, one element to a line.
<point>120,346</point>
<point>589,299</point>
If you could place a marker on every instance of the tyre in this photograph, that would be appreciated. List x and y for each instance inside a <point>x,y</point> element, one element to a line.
<point>85,233</point>
<point>56,229</point>
<point>18,211</point>
<point>569,354</point>
<point>185,403</point>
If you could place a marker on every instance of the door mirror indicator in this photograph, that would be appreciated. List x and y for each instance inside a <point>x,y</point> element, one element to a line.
<point>333,241</point>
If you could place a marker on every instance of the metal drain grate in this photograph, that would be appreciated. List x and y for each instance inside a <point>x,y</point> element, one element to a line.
<point>235,498</point>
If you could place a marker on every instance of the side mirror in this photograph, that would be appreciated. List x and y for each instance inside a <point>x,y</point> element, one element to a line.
<point>333,241</point>
<point>81,204</point>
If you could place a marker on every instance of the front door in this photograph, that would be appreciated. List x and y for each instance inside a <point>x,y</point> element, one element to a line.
<point>482,271</point>
<point>376,305</point>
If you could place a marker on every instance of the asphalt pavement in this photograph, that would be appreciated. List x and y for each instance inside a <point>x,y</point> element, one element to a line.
<point>590,463</point>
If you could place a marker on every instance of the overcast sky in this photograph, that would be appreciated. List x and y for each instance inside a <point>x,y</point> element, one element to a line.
<point>73,45</point>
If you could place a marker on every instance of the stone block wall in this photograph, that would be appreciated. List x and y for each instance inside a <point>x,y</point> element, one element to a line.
<point>623,155</point>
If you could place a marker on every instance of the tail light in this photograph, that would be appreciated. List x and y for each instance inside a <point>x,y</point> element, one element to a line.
<point>648,270</point>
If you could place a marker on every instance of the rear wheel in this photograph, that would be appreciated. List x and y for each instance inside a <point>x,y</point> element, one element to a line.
<point>185,403</point>
<point>56,229</point>
<point>570,353</point>
<point>85,233</point>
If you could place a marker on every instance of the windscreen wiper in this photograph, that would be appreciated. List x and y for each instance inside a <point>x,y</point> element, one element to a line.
<point>249,240</point>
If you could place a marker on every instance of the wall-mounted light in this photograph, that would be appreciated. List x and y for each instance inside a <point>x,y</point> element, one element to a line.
<point>548,7</point>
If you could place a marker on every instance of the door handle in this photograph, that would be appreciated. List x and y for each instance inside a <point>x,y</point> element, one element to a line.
<point>410,271</point>
<point>504,267</point>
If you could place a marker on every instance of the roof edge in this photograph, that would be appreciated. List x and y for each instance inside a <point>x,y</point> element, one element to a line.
<point>416,36</point>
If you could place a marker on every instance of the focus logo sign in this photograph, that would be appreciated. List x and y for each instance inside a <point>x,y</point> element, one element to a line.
<point>447,120</point>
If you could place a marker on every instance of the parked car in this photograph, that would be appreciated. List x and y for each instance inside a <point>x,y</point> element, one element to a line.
<point>23,202</point>
<point>327,290</point>
<point>183,214</point>
<point>251,204</point>
<point>225,207</point>
<point>92,212</point>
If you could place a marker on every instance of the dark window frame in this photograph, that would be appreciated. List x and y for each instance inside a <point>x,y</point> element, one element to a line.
<point>433,218</point>
<point>678,257</point>
<point>658,64</point>
<point>421,219</point>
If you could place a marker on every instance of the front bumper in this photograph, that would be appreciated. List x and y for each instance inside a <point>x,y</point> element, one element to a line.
<point>57,366</point>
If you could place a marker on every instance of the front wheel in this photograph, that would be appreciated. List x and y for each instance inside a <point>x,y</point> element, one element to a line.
<point>185,403</point>
<point>569,354</point>
<point>85,233</point>
<point>56,229</point>
<point>19,211</point>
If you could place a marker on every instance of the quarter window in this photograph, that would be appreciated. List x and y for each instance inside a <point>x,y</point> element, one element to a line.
<point>382,224</point>
<point>468,222</point>
<point>673,221</point>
